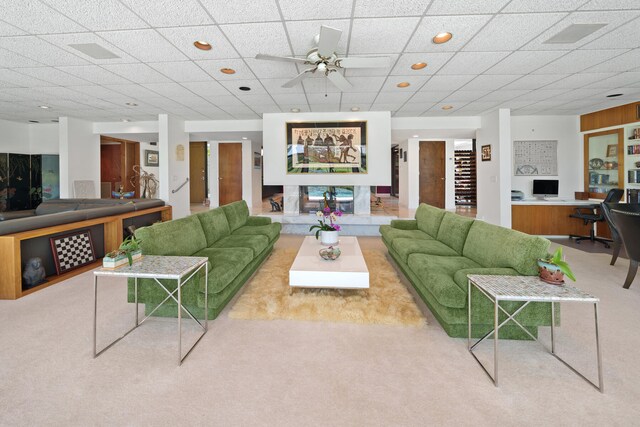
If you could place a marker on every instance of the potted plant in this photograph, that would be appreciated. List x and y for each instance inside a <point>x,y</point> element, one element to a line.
<point>553,269</point>
<point>327,229</point>
<point>129,251</point>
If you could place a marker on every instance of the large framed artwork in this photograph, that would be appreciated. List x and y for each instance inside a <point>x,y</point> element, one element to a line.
<point>72,251</point>
<point>327,147</point>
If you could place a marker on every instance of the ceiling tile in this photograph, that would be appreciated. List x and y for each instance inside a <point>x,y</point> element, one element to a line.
<point>213,89</point>
<point>37,18</point>
<point>366,84</point>
<point>610,4</point>
<point>144,45</point>
<point>415,83</point>
<point>137,73</point>
<point>39,50</point>
<point>94,74</point>
<point>390,97</point>
<point>237,109</point>
<point>10,30</point>
<point>99,15</point>
<point>378,35</point>
<point>262,109</point>
<point>578,60</point>
<point>366,98</point>
<point>490,82</point>
<point>251,39</point>
<point>302,33</point>
<point>274,86</point>
<point>446,82</point>
<point>325,9</point>
<point>465,95</point>
<point>434,62</point>
<point>510,32</point>
<point>324,108</point>
<point>184,37</point>
<point>64,40</point>
<point>578,80</point>
<point>225,100</point>
<point>534,81</point>
<point>169,13</point>
<point>170,90</point>
<point>543,6</point>
<point>86,92</point>
<point>431,96</point>
<point>319,85</point>
<point>541,94</point>
<point>271,69</point>
<point>372,72</point>
<point>377,8</point>
<point>385,107</point>
<point>20,80</point>
<point>361,107</point>
<point>628,61</point>
<point>303,107</point>
<point>132,90</point>
<point>233,85</point>
<point>463,29</point>
<point>259,99</point>
<point>322,98</point>
<point>181,71</point>
<point>242,10</point>
<point>524,62</point>
<point>472,62</point>
<point>11,59</point>
<point>504,95</point>
<point>626,36</point>
<point>212,67</point>
<point>465,7</point>
<point>622,79</point>
<point>52,75</point>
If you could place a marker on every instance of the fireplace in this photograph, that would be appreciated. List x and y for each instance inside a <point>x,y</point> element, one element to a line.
<point>311,198</point>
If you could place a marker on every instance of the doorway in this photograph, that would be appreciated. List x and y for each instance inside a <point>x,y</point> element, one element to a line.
<point>198,172</point>
<point>119,159</point>
<point>229,172</point>
<point>432,173</point>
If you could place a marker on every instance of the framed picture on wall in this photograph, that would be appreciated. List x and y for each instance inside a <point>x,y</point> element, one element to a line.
<point>612,150</point>
<point>327,147</point>
<point>486,153</point>
<point>257,160</point>
<point>151,158</point>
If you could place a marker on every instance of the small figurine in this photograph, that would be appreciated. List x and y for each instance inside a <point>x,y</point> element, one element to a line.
<point>33,273</point>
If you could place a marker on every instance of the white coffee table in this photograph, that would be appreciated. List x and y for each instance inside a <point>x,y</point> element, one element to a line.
<point>309,270</point>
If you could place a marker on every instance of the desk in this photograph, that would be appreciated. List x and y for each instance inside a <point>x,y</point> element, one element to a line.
<point>551,218</point>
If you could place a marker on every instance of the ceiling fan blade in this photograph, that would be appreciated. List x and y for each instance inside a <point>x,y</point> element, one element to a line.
<point>339,81</point>
<point>328,42</point>
<point>280,58</point>
<point>370,62</point>
<point>297,79</point>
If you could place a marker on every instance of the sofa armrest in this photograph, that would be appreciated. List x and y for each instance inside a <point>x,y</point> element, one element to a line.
<point>258,220</point>
<point>404,224</point>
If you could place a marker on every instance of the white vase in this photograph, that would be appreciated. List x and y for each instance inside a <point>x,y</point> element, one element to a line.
<point>328,238</point>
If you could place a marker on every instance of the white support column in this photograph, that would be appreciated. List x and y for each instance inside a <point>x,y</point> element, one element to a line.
<point>79,155</point>
<point>362,200</point>
<point>174,164</point>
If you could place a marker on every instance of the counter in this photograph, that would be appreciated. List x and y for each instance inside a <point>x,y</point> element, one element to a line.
<point>551,217</point>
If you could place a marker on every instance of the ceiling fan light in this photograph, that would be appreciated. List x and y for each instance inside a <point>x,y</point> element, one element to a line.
<point>442,37</point>
<point>227,71</point>
<point>403,84</point>
<point>418,66</point>
<point>202,45</point>
<point>447,107</point>
<point>295,110</point>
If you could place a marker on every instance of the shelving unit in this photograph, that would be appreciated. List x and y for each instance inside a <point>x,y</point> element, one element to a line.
<point>631,155</point>
<point>604,162</point>
<point>465,178</point>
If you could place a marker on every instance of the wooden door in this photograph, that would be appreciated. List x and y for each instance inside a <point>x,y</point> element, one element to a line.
<point>197,171</point>
<point>110,166</point>
<point>432,173</point>
<point>131,180</point>
<point>229,172</point>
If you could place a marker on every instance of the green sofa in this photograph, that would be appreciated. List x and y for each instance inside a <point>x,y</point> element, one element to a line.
<point>235,243</point>
<point>437,251</point>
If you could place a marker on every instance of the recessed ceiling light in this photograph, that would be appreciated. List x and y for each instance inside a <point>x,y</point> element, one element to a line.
<point>416,136</point>
<point>131,104</point>
<point>244,88</point>
<point>614,95</point>
<point>418,66</point>
<point>43,106</point>
<point>126,120</point>
<point>403,84</point>
<point>55,120</point>
<point>34,121</point>
<point>227,71</point>
<point>355,108</point>
<point>244,137</point>
<point>202,45</point>
<point>295,110</point>
<point>447,107</point>
<point>442,38</point>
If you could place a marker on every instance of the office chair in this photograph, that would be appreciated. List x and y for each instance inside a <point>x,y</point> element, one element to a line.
<point>592,214</point>
<point>615,234</point>
<point>628,224</point>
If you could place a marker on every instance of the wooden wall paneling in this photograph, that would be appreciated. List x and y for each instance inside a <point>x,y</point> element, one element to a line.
<point>620,159</point>
<point>10,279</point>
<point>4,182</point>
<point>549,220</point>
<point>616,116</point>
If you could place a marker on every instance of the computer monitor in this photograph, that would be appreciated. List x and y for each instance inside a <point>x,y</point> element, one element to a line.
<point>545,188</point>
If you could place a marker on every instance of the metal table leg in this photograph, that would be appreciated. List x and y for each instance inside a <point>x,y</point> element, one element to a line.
<point>495,341</point>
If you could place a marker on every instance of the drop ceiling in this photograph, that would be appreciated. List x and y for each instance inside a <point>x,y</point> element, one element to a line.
<point>497,57</point>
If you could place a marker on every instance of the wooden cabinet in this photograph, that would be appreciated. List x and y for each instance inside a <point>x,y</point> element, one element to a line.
<point>603,162</point>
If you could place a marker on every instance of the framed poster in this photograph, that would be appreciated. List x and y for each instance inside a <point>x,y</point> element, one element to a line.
<point>257,160</point>
<point>151,158</point>
<point>612,150</point>
<point>486,153</point>
<point>531,158</point>
<point>72,251</point>
<point>327,147</point>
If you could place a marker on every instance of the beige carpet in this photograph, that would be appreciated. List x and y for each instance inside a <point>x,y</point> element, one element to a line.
<point>267,296</point>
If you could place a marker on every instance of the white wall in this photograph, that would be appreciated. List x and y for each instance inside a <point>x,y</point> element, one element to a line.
<point>14,137</point>
<point>403,176</point>
<point>173,172</point>
<point>564,129</point>
<point>79,155</point>
<point>249,187</point>
<point>44,138</point>
<point>378,149</point>
<point>256,176</point>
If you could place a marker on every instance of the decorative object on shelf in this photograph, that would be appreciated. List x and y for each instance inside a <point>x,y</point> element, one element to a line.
<point>638,164</point>
<point>596,163</point>
<point>612,150</point>
<point>330,254</point>
<point>327,229</point>
<point>121,194</point>
<point>72,251</point>
<point>128,252</point>
<point>610,165</point>
<point>257,160</point>
<point>151,158</point>
<point>148,182</point>
<point>636,133</point>
<point>535,158</point>
<point>486,153</point>
<point>33,272</point>
<point>553,269</point>
<point>327,147</point>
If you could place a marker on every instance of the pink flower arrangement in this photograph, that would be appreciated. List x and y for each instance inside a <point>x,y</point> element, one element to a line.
<point>327,222</point>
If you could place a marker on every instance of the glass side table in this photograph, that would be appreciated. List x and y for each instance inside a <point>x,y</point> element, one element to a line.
<point>527,289</point>
<point>157,267</point>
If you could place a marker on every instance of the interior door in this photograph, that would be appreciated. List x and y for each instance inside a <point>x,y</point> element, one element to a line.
<point>132,158</point>
<point>110,167</point>
<point>432,173</point>
<point>198,171</point>
<point>229,172</point>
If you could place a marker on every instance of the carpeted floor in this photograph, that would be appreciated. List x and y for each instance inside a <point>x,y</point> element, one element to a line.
<point>267,296</point>
<point>292,373</point>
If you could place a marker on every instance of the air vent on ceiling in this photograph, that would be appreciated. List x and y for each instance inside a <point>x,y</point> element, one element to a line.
<point>574,33</point>
<point>94,50</point>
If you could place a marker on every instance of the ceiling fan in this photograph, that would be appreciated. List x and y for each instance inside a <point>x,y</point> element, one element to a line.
<point>323,59</point>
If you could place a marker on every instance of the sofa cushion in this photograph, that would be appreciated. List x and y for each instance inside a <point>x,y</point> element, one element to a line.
<point>453,230</point>
<point>215,225</point>
<point>493,246</point>
<point>182,236</point>
<point>429,218</point>
<point>405,247</point>
<point>237,214</point>
<point>436,273</point>
<point>257,243</point>
<point>389,233</point>
<point>48,208</point>
<point>224,265</point>
<point>272,231</point>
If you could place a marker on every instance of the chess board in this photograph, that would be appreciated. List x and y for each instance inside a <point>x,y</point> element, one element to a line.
<point>72,251</point>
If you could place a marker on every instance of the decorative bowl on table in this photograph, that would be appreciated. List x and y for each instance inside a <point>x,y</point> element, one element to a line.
<point>330,254</point>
